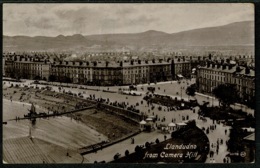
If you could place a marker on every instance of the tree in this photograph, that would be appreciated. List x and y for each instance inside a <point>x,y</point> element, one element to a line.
<point>127,153</point>
<point>138,149</point>
<point>190,91</point>
<point>67,80</point>
<point>157,141</point>
<point>52,78</point>
<point>147,145</point>
<point>226,94</point>
<point>37,77</point>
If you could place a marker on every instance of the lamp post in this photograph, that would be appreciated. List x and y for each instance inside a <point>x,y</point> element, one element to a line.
<point>245,105</point>
<point>181,91</point>
<point>211,101</point>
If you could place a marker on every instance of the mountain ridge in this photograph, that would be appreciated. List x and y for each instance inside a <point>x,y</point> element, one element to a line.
<point>237,33</point>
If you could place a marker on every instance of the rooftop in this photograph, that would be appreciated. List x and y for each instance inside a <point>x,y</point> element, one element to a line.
<point>113,64</point>
<point>250,74</point>
<point>250,137</point>
<point>220,68</point>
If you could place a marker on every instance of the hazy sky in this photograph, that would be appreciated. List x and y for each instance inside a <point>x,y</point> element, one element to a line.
<point>69,19</point>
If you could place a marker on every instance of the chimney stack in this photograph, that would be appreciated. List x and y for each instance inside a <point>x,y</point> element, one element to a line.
<point>222,61</point>
<point>95,63</point>
<point>208,64</point>
<point>238,69</point>
<point>247,70</point>
<point>224,66</point>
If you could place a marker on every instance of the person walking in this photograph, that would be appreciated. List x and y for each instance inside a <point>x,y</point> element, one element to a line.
<point>228,160</point>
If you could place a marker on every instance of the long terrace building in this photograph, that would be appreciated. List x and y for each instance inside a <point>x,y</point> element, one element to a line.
<point>94,72</point>
<point>210,76</point>
<point>111,73</point>
<point>27,68</point>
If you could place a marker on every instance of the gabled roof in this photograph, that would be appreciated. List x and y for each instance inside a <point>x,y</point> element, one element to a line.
<point>251,73</point>
<point>171,124</point>
<point>250,137</point>
<point>142,122</point>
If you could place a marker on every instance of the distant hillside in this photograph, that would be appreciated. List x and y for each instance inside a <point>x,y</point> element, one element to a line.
<point>239,33</point>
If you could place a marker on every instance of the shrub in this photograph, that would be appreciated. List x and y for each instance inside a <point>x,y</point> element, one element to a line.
<point>157,141</point>
<point>191,124</point>
<point>147,145</point>
<point>159,108</point>
<point>116,156</point>
<point>138,149</point>
<point>175,134</point>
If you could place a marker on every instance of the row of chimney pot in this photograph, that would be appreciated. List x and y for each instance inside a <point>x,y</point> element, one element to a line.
<point>228,66</point>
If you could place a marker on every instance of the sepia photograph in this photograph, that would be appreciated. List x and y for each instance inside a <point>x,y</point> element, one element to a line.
<point>93,83</point>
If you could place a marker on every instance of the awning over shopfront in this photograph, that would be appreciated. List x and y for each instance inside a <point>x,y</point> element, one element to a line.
<point>149,119</point>
<point>180,76</point>
<point>143,122</point>
<point>171,125</point>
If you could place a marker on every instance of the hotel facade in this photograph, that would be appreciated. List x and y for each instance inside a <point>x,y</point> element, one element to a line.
<point>94,72</point>
<point>243,78</point>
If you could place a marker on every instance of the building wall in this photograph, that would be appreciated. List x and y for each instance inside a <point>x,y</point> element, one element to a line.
<point>146,72</point>
<point>246,87</point>
<point>113,73</point>
<point>107,76</point>
<point>209,77</point>
<point>181,67</point>
<point>72,72</point>
<point>9,68</point>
